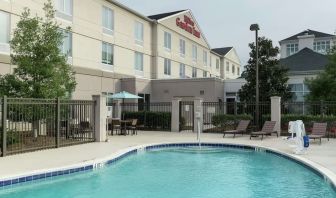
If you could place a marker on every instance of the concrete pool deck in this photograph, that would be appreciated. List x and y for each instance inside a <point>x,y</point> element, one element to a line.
<point>322,156</point>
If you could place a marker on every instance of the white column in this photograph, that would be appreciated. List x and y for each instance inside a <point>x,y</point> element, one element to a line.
<point>276,112</point>
<point>100,118</point>
<point>175,115</point>
<point>198,114</point>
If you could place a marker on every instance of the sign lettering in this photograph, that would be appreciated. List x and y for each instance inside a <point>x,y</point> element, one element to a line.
<point>188,25</point>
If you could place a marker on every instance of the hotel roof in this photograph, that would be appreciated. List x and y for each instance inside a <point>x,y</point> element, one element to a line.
<point>308,32</point>
<point>222,51</point>
<point>164,15</point>
<point>305,61</point>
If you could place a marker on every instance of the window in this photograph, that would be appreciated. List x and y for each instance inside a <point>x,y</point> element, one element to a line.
<point>217,64</point>
<point>205,58</point>
<point>5,28</point>
<point>167,40</point>
<point>139,33</point>
<point>292,48</point>
<point>233,69</point>
<point>182,70</point>
<point>322,46</point>
<point>182,47</point>
<point>138,59</point>
<point>194,53</point>
<point>210,61</point>
<point>108,20</point>
<point>194,72</point>
<point>205,74</point>
<point>227,66</point>
<point>167,67</point>
<point>107,53</point>
<point>64,6</point>
<point>66,47</point>
<point>238,71</point>
<point>299,92</point>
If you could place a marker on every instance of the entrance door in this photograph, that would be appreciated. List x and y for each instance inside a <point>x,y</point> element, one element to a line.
<point>230,102</point>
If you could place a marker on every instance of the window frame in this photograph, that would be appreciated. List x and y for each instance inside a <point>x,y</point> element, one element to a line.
<point>167,67</point>
<point>205,58</point>
<point>138,24</point>
<point>292,48</point>
<point>138,56</point>
<point>194,72</point>
<point>182,73</point>
<point>194,53</point>
<point>182,48</point>
<point>167,41</point>
<point>106,29</point>
<point>109,48</point>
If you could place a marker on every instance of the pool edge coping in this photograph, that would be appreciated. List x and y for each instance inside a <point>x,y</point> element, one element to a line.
<point>90,165</point>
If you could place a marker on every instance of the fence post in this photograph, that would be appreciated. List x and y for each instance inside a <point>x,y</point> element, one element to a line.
<point>4,126</point>
<point>175,115</point>
<point>198,114</point>
<point>276,112</point>
<point>100,117</point>
<point>58,117</point>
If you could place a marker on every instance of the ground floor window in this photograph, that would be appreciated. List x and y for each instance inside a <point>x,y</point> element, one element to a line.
<point>138,61</point>
<point>299,92</point>
<point>182,70</point>
<point>167,67</point>
<point>194,72</point>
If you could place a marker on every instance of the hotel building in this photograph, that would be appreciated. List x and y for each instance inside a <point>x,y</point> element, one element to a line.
<point>114,48</point>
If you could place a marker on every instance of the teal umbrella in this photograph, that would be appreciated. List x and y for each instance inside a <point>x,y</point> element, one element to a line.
<point>124,95</point>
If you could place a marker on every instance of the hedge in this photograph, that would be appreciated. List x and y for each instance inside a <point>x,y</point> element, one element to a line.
<point>222,120</point>
<point>151,120</point>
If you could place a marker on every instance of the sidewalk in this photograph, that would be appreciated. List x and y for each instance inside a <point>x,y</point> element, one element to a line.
<point>323,155</point>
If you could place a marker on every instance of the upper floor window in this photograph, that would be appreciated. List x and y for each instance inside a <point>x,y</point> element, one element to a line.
<point>167,67</point>
<point>182,70</point>
<point>107,53</point>
<point>227,66</point>
<point>138,61</point>
<point>233,69</point>
<point>217,63</point>
<point>194,72</point>
<point>5,29</point>
<point>194,52</point>
<point>205,58</point>
<point>108,20</point>
<point>66,47</point>
<point>182,47</point>
<point>238,71</point>
<point>167,40</point>
<point>292,48</point>
<point>205,74</point>
<point>322,46</point>
<point>139,33</point>
<point>64,9</point>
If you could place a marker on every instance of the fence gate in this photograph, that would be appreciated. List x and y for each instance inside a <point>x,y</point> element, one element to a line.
<point>186,116</point>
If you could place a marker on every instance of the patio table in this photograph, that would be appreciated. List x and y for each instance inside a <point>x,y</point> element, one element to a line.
<point>124,124</point>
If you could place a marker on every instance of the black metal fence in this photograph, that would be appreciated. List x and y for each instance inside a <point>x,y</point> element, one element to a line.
<point>220,116</point>
<point>36,124</point>
<point>186,116</point>
<point>309,112</point>
<point>154,116</point>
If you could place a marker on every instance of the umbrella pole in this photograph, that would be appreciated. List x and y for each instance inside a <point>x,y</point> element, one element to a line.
<point>123,113</point>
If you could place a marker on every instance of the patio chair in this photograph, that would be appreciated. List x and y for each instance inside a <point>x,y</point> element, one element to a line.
<point>241,128</point>
<point>133,127</point>
<point>267,129</point>
<point>319,131</point>
<point>116,125</point>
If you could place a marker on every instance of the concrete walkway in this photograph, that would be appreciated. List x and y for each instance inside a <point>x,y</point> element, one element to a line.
<point>323,155</point>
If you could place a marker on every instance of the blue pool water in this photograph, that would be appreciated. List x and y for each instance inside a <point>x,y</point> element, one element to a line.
<point>176,173</point>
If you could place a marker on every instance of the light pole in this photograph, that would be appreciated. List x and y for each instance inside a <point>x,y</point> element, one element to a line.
<point>255,27</point>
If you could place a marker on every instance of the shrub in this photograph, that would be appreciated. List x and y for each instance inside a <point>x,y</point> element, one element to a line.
<point>12,137</point>
<point>222,120</point>
<point>151,120</point>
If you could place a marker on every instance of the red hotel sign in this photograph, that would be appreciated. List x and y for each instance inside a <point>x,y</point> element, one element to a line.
<point>188,25</point>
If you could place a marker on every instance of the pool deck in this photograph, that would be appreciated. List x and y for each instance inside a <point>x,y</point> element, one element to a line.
<point>321,156</point>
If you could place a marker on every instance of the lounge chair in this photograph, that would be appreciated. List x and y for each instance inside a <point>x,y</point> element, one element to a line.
<point>267,129</point>
<point>319,131</point>
<point>133,127</point>
<point>241,128</point>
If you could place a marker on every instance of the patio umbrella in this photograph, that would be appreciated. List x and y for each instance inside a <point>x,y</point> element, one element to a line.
<point>124,95</point>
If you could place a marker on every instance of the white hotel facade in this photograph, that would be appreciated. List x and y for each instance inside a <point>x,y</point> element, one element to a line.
<point>114,48</point>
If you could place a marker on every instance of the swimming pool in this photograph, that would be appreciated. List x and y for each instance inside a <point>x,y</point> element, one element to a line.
<point>184,172</point>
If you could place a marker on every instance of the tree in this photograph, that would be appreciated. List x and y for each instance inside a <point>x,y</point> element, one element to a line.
<point>42,70</point>
<point>272,76</point>
<point>323,87</point>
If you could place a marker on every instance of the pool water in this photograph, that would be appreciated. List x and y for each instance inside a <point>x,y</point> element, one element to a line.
<point>175,173</point>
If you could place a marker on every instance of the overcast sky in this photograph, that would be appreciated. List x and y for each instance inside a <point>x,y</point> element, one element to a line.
<point>226,22</point>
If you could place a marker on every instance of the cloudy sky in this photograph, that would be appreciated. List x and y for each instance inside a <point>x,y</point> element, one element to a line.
<point>227,22</point>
